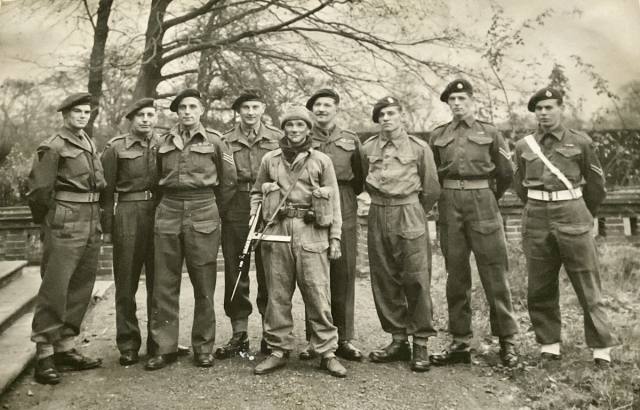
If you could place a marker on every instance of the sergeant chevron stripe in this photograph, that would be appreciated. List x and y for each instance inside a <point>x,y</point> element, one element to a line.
<point>597,170</point>
<point>228,158</point>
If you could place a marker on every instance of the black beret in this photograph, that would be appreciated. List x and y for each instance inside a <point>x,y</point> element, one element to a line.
<point>384,103</point>
<point>73,100</point>
<point>137,106</point>
<point>324,92</point>
<point>189,92</point>
<point>247,95</point>
<point>457,86</point>
<point>546,93</point>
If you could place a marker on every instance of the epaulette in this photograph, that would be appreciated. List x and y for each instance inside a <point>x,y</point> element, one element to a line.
<point>271,127</point>
<point>49,142</point>
<point>368,140</point>
<point>442,125</point>
<point>114,139</point>
<point>581,134</point>
<point>229,131</point>
<point>214,132</point>
<point>349,132</point>
<point>419,141</point>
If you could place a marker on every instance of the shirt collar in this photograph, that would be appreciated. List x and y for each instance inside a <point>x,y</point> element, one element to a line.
<point>468,120</point>
<point>402,136</point>
<point>557,132</point>
<point>131,139</point>
<point>80,138</point>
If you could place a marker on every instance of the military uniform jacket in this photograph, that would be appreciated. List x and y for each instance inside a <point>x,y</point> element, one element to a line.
<point>572,153</point>
<point>247,156</point>
<point>64,162</point>
<point>343,147</point>
<point>318,172</point>
<point>204,161</point>
<point>400,167</point>
<point>129,166</point>
<point>472,149</point>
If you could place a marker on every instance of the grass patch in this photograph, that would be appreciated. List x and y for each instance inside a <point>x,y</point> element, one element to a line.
<point>574,382</point>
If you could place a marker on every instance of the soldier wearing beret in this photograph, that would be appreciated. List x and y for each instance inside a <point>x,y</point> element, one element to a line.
<point>64,190</point>
<point>249,140</point>
<point>127,220</point>
<point>401,178</point>
<point>343,147</point>
<point>197,180</point>
<point>302,177</point>
<point>560,179</point>
<point>474,168</point>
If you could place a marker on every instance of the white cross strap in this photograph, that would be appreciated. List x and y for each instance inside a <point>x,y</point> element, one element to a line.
<point>533,145</point>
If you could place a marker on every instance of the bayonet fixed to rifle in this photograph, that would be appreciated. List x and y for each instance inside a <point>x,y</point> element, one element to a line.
<point>254,238</point>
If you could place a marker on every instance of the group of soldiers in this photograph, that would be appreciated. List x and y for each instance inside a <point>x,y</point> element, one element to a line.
<point>164,200</point>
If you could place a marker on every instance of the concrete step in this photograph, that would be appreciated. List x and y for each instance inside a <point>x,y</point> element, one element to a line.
<point>9,270</point>
<point>16,350</point>
<point>18,296</point>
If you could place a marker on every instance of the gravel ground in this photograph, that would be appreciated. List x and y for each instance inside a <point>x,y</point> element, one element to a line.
<point>230,384</point>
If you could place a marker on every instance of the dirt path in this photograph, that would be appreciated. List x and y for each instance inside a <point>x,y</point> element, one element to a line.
<point>230,384</point>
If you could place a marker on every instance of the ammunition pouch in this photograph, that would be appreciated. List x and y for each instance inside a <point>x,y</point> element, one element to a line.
<point>322,207</point>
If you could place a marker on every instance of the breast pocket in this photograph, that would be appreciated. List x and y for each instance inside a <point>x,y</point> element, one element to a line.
<point>375,166</point>
<point>567,159</point>
<point>242,159</point>
<point>534,166</point>
<point>201,158</point>
<point>131,163</point>
<point>342,159</point>
<point>444,147</point>
<point>479,148</point>
<point>168,156</point>
<point>75,164</point>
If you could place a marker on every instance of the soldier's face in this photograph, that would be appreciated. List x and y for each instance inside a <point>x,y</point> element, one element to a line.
<point>144,120</point>
<point>296,131</point>
<point>460,104</point>
<point>78,117</point>
<point>325,109</point>
<point>549,113</point>
<point>390,118</point>
<point>189,111</point>
<point>251,112</point>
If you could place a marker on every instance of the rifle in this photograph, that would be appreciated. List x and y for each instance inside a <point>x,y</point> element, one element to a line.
<point>254,238</point>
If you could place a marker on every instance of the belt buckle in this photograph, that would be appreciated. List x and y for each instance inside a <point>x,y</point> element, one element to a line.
<point>461,183</point>
<point>93,196</point>
<point>148,195</point>
<point>553,196</point>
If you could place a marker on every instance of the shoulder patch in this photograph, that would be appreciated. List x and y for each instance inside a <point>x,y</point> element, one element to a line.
<point>418,141</point>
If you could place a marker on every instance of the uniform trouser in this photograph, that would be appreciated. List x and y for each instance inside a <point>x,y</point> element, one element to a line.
<point>69,264</point>
<point>235,229</point>
<point>555,234</point>
<point>399,261</point>
<point>343,270</point>
<point>470,220</point>
<point>185,230</point>
<point>132,250</point>
<point>304,262</point>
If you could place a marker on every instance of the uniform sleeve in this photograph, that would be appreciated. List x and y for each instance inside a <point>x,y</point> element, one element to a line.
<point>109,161</point>
<point>227,174</point>
<point>501,157</point>
<point>594,190</point>
<point>42,179</point>
<point>429,176</point>
<point>518,176</point>
<point>356,166</point>
<point>329,180</point>
<point>364,166</point>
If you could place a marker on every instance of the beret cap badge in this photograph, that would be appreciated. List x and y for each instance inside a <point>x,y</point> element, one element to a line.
<point>460,86</point>
<point>548,93</point>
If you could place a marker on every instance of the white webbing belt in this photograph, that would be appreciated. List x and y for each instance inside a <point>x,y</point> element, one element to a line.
<point>533,145</point>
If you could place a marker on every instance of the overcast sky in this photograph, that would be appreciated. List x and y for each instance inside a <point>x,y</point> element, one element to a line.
<point>606,34</point>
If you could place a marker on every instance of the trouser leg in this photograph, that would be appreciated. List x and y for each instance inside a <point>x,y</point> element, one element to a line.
<point>234,235</point>
<point>489,247</point>
<point>386,281</point>
<point>580,261</point>
<point>280,274</point>
<point>201,252</point>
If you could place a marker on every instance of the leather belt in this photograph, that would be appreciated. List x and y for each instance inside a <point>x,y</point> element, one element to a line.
<point>134,196</point>
<point>294,211</point>
<point>377,199</point>
<point>553,196</point>
<point>463,184</point>
<point>87,197</point>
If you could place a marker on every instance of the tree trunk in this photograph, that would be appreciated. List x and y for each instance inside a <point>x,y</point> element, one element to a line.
<point>149,75</point>
<point>96,61</point>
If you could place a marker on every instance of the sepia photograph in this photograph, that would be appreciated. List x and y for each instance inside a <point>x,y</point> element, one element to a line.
<point>319,204</point>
